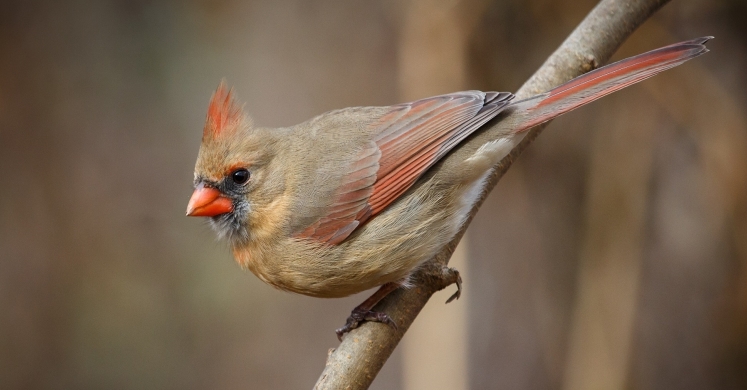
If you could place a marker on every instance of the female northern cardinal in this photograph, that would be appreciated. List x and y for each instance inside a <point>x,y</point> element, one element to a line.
<point>323,208</point>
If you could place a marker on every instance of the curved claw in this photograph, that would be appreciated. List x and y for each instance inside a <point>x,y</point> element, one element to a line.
<point>349,325</point>
<point>457,279</point>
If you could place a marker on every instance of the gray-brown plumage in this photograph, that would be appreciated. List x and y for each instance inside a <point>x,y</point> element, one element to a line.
<point>345,201</point>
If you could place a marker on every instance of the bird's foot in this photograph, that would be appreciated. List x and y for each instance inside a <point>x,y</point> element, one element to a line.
<point>359,315</point>
<point>363,311</point>
<point>451,275</point>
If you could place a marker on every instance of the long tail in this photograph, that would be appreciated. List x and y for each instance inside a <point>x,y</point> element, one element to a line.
<point>605,80</point>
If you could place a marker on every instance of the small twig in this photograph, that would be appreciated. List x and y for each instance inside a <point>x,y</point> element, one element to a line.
<point>360,356</point>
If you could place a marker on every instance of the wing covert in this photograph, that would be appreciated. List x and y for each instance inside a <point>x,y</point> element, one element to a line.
<point>406,141</point>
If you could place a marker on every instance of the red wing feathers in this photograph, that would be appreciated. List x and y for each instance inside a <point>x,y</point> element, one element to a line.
<point>422,136</point>
<point>351,199</point>
<point>407,140</point>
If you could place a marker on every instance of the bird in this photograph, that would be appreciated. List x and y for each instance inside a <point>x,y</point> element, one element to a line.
<point>347,202</point>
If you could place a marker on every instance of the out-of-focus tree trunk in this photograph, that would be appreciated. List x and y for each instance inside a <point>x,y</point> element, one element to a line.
<point>609,270</point>
<point>432,61</point>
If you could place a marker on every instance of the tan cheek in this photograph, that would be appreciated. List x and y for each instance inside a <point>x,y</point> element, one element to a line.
<point>269,220</point>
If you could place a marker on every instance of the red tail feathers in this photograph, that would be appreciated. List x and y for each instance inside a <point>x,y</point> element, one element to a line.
<point>605,80</point>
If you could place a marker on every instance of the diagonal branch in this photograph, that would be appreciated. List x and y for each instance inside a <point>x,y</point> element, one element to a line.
<point>360,356</point>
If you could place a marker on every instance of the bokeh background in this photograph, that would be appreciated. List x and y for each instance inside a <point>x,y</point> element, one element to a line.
<point>612,255</point>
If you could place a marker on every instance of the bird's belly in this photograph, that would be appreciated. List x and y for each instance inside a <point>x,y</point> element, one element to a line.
<point>386,249</point>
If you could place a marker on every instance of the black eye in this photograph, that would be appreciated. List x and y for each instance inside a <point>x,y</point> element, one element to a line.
<point>240,176</point>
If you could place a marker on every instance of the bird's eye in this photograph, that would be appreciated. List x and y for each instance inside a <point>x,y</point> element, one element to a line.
<point>240,176</point>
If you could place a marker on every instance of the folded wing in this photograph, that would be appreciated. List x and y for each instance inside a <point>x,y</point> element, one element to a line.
<point>407,140</point>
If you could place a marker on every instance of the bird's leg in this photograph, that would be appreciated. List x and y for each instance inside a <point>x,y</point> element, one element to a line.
<point>363,311</point>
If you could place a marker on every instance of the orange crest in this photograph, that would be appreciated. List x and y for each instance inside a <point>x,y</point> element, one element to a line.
<point>223,111</point>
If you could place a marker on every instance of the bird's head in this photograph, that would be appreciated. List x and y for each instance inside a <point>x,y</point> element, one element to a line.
<point>233,173</point>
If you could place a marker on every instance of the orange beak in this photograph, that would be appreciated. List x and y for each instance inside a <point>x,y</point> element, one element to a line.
<point>208,202</point>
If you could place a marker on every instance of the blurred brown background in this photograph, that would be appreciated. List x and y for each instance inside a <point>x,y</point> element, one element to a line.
<point>612,255</point>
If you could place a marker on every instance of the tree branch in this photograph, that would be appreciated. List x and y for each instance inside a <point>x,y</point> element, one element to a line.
<point>362,353</point>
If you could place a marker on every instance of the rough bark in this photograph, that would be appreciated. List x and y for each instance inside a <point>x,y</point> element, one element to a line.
<point>357,360</point>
